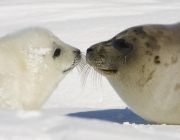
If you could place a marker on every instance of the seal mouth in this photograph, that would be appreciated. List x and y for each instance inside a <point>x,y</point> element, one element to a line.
<point>68,69</point>
<point>107,71</point>
<point>75,63</point>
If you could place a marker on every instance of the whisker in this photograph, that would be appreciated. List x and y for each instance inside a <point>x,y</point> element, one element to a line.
<point>100,80</point>
<point>97,78</point>
<point>85,74</point>
<point>84,70</point>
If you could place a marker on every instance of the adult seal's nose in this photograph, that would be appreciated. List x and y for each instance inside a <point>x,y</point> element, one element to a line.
<point>89,50</point>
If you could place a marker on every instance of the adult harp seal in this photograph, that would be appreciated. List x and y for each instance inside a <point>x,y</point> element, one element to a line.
<point>143,65</point>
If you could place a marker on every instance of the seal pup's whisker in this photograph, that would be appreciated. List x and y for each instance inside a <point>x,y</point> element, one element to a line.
<point>85,74</point>
<point>81,66</point>
<point>86,70</point>
<point>83,69</point>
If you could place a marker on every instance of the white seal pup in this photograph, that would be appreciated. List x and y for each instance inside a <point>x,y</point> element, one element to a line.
<point>143,66</point>
<point>32,63</point>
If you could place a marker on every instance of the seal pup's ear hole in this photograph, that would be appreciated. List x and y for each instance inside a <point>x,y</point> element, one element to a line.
<point>122,46</point>
<point>57,53</point>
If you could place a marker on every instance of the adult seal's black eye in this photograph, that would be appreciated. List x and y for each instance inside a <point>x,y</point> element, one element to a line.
<point>57,52</point>
<point>122,46</point>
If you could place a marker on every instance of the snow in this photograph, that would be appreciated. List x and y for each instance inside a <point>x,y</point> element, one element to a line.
<point>94,111</point>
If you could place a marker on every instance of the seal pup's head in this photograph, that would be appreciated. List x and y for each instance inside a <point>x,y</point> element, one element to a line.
<point>44,44</point>
<point>36,61</point>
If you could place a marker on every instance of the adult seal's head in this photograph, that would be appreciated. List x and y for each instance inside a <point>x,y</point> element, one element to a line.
<point>32,63</point>
<point>143,66</point>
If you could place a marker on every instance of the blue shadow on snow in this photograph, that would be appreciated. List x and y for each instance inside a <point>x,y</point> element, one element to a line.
<point>112,115</point>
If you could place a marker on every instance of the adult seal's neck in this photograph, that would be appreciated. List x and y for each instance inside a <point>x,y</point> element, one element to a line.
<point>176,31</point>
<point>176,27</point>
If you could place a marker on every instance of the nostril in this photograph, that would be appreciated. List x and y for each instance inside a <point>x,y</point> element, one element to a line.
<point>89,50</point>
<point>77,51</point>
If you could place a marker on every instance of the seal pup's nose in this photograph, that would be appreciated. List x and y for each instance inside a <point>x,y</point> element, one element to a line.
<point>77,51</point>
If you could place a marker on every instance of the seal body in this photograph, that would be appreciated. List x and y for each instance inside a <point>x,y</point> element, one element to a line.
<point>143,66</point>
<point>32,63</point>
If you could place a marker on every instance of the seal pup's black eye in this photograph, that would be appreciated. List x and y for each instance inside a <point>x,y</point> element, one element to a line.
<point>122,46</point>
<point>57,52</point>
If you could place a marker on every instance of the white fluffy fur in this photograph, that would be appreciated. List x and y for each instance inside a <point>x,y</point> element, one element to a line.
<point>28,71</point>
